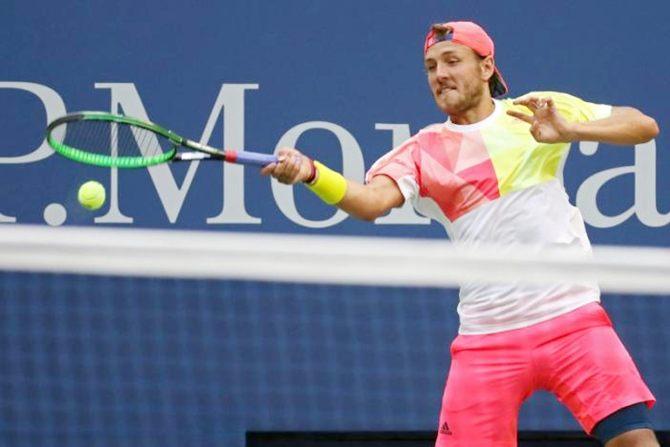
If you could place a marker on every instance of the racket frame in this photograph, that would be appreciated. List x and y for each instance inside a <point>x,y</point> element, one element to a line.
<point>201,151</point>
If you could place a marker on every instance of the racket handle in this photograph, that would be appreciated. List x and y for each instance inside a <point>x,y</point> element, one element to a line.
<point>252,158</point>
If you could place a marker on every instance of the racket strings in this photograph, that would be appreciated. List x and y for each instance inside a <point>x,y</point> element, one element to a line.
<point>112,139</point>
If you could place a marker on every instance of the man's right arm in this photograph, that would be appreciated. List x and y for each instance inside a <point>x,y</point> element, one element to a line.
<point>366,202</point>
<point>372,200</point>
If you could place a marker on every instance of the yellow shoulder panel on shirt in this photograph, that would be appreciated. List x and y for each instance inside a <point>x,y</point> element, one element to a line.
<point>519,161</point>
<point>571,107</point>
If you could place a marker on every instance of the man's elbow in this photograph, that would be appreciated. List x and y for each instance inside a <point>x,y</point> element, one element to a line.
<point>647,127</point>
<point>651,128</point>
<point>369,213</point>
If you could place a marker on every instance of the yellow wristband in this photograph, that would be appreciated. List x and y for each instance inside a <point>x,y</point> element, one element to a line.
<point>330,186</point>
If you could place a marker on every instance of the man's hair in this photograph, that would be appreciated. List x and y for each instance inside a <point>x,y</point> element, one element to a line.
<point>440,29</point>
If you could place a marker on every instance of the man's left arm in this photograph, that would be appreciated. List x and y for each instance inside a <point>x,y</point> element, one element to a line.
<point>625,125</point>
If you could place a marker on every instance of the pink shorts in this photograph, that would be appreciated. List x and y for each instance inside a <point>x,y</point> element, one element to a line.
<point>577,356</point>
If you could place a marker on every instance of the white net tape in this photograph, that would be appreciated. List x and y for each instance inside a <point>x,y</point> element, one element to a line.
<point>322,259</point>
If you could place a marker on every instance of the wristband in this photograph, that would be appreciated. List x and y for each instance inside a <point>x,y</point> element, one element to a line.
<point>312,174</point>
<point>330,186</point>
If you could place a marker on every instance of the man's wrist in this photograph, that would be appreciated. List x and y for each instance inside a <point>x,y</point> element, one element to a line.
<point>573,132</point>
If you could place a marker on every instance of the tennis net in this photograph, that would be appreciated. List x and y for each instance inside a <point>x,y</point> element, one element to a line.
<point>170,338</point>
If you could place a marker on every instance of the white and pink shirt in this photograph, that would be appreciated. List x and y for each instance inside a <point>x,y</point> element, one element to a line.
<point>491,183</point>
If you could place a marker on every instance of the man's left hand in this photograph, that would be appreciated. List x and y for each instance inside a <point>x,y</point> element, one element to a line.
<point>546,124</point>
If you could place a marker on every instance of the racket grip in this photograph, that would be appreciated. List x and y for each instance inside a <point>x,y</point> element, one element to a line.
<point>254,158</point>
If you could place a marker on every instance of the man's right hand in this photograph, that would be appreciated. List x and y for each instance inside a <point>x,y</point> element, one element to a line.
<point>292,167</point>
<point>366,202</point>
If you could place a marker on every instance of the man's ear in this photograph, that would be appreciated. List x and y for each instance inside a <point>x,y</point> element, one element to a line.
<point>487,66</point>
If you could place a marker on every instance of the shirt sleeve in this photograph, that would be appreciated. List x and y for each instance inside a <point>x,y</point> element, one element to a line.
<point>402,165</point>
<point>575,109</point>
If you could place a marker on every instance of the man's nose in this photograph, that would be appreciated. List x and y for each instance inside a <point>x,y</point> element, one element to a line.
<point>442,71</point>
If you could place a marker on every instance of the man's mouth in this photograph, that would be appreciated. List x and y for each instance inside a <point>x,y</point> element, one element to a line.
<point>444,90</point>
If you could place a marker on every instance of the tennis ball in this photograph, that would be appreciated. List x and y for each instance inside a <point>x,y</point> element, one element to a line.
<point>91,195</point>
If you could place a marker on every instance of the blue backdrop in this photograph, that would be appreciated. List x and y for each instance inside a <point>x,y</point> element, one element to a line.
<point>344,82</point>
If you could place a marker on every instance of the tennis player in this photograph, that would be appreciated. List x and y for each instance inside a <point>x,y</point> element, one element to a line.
<point>491,174</point>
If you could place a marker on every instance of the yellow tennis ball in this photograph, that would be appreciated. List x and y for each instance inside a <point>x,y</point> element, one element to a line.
<point>91,195</point>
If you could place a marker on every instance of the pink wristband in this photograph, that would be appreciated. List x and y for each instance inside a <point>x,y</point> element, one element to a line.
<point>312,175</point>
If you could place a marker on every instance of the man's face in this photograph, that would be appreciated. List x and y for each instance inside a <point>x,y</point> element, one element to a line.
<point>455,77</point>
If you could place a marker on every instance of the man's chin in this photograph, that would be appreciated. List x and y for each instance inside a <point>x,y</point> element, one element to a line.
<point>449,107</point>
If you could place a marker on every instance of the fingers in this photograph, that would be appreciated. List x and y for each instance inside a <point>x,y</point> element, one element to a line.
<point>550,104</point>
<point>268,169</point>
<point>531,102</point>
<point>534,103</point>
<point>522,116</point>
<point>289,168</point>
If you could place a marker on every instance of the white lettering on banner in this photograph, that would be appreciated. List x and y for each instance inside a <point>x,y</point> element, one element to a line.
<point>404,215</point>
<point>231,100</point>
<point>124,96</point>
<point>54,107</point>
<point>352,167</point>
<point>120,94</point>
<point>230,104</point>
<point>644,203</point>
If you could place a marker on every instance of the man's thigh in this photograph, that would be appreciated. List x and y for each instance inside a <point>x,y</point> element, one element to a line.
<point>484,391</point>
<point>592,373</point>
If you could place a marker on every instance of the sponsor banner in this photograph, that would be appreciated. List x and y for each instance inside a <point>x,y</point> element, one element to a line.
<point>299,80</point>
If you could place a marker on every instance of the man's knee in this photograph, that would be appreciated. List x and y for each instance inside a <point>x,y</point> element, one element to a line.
<point>641,437</point>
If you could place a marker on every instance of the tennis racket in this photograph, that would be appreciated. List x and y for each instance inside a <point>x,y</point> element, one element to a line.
<point>118,141</point>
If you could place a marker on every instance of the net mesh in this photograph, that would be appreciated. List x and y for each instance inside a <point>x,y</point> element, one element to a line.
<point>112,359</point>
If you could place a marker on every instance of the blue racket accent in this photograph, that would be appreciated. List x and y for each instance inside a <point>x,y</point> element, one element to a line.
<point>254,158</point>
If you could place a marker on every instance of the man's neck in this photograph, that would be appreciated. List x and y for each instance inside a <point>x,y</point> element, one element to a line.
<point>483,109</point>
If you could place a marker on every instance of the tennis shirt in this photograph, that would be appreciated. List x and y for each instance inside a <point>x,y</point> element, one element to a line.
<point>490,183</point>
